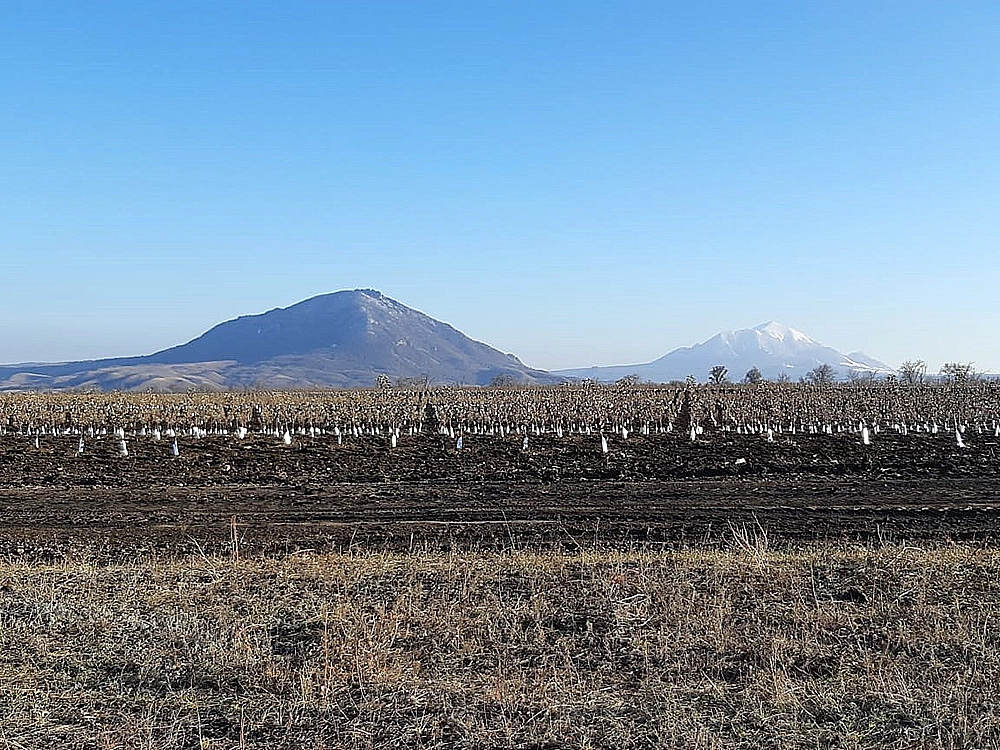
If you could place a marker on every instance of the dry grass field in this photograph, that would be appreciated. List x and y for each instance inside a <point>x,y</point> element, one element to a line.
<point>739,647</point>
<point>536,568</point>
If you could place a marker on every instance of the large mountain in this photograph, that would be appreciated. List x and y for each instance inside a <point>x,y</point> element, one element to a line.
<point>345,339</point>
<point>773,348</point>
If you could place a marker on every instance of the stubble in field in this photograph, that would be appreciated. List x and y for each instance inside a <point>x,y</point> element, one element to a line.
<point>745,648</point>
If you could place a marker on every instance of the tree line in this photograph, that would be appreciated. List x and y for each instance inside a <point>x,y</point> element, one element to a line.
<point>911,372</point>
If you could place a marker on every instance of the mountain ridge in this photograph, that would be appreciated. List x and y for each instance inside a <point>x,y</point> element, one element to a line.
<point>774,348</point>
<point>339,340</point>
<point>347,339</point>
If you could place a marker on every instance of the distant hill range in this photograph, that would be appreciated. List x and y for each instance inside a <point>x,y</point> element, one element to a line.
<point>341,340</point>
<point>774,349</point>
<point>348,339</point>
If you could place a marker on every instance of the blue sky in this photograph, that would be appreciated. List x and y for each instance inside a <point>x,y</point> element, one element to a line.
<point>575,182</point>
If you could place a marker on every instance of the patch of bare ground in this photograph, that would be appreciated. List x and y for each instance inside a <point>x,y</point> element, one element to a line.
<point>741,647</point>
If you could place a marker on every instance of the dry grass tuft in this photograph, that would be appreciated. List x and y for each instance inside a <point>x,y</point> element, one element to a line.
<point>743,648</point>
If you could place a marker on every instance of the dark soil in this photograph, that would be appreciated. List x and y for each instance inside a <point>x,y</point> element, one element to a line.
<point>657,490</point>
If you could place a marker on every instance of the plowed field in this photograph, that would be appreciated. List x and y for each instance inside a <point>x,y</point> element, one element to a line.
<point>657,490</point>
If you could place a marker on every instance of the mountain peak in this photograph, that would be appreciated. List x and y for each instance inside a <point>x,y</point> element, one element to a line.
<point>341,339</point>
<point>773,348</point>
<point>777,330</point>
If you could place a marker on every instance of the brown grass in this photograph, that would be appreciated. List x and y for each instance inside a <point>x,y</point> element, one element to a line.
<point>740,648</point>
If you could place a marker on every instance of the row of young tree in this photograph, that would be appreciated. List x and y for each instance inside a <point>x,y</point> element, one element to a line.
<point>819,375</point>
<point>911,372</point>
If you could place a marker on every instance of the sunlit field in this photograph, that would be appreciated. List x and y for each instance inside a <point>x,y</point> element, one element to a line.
<point>770,566</point>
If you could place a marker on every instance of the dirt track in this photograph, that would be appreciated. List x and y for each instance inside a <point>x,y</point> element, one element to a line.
<point>655,490</point>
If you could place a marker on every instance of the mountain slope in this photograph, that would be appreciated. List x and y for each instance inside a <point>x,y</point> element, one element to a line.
<point>344,339</point>
<point>773,348</point>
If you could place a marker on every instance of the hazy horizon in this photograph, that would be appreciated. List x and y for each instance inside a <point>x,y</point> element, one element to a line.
<point>575,183</point>
<point>932,368</point>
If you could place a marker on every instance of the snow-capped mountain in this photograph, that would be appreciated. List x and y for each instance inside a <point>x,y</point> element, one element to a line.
<point>773,348</point>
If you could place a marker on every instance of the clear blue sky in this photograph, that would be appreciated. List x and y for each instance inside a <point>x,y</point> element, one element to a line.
<point>575,182</point>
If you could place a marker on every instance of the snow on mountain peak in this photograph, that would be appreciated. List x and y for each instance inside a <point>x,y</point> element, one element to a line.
<point>778,330</point>
<point>772,348</point>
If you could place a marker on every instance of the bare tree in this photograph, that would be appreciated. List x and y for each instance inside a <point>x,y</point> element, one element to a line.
<point>958,373</point>
<point>417,384</point>
<point>823,374</point>
<point>912,372</point>
<point>629,380</point>
<point>753,376</point>
<point>504,380</point>
<point>718,375</point>
<point>861,377</point>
